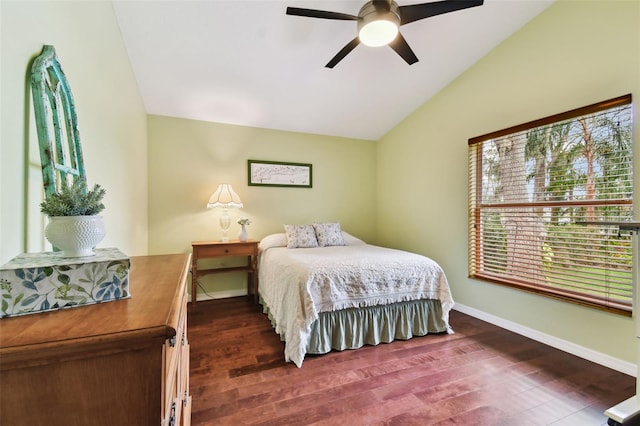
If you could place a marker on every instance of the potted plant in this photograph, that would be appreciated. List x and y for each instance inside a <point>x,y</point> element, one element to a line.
<point>74,224</point>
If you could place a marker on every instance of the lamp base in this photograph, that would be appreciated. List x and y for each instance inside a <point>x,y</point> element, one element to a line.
<point>225,222</point>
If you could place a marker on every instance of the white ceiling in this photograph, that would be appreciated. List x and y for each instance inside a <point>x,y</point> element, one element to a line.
<point>248,63</point>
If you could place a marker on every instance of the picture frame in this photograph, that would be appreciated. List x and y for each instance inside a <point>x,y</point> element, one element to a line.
<point>279,173</point>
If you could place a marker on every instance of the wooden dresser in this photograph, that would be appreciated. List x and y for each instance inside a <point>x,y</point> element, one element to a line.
<point>123,362</point>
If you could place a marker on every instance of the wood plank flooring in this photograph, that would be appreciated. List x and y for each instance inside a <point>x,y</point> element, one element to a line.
<point>481,375</point>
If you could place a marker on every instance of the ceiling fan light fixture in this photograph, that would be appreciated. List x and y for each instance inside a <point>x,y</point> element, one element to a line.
<point>379,22</point>
<point>378,33</point>
<point>378,28</point>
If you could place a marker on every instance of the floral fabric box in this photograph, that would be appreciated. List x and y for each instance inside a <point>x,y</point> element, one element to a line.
<point>39,282</point>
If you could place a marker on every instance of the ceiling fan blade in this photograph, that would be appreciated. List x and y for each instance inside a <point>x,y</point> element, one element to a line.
<point>344,52</point>
<point>400,45</point>
<point>415,12</point>
<point>312,13</point>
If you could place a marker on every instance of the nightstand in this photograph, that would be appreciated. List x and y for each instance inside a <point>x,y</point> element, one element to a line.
<point>216,249</point>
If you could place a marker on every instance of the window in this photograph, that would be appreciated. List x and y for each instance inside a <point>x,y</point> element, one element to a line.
<point>531,185</point>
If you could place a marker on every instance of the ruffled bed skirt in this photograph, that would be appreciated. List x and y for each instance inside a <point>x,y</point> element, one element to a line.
<point>355,327</point>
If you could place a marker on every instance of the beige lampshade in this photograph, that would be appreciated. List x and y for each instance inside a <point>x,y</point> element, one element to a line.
<point>225,197</point>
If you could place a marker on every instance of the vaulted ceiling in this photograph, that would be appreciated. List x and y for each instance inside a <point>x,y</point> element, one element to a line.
<point>248,63</point>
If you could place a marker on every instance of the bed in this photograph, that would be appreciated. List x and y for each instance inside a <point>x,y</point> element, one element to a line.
<point>341,293</point>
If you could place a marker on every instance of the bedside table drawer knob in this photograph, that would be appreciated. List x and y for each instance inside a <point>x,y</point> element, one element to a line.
<point>226,250</point>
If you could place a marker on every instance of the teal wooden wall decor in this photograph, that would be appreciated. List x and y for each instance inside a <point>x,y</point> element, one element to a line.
<point>57,123</point>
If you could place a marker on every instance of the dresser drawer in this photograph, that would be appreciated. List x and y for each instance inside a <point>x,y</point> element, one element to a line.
<point>176,377</point>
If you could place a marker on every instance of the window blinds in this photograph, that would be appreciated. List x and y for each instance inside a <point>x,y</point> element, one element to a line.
<point>530,187</point>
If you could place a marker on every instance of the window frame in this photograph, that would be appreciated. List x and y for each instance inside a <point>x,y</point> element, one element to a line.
<point>476,254</point>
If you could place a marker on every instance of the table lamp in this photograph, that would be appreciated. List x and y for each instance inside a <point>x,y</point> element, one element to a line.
<point>225,197</point>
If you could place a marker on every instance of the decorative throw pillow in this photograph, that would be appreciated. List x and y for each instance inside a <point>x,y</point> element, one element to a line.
<point>328,234</point>
<point>300,236</point>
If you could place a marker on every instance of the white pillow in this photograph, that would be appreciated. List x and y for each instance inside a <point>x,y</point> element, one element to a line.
<point>350,240</point>
<point>328,234</point>
<point>273,240</point>
<point>300,236</point>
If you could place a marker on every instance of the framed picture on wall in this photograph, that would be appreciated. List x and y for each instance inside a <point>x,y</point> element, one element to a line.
<point>278,173</point>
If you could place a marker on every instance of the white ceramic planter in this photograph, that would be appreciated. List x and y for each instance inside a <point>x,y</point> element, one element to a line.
<point>75,236</point>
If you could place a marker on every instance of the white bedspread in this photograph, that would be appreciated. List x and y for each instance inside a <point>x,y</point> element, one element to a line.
<point>297,284</point>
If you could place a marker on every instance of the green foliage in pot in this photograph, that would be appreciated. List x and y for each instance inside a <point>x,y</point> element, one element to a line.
<point>74,200</point>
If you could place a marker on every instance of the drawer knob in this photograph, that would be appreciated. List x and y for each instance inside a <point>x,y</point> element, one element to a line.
<point>226,250</point>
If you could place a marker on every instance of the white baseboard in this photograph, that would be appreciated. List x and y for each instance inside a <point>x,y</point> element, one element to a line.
<point>599,358</point>
<point>220,294</point>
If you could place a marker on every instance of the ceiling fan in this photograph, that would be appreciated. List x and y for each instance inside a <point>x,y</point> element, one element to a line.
<point>379,22</point>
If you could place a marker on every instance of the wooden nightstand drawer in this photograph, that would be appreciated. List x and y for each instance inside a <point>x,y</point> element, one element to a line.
<point>222,250</point>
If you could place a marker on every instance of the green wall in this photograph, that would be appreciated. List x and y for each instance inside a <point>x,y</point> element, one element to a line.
<point>573,54</point>
<point>112,120</point>
<point>188,159</point>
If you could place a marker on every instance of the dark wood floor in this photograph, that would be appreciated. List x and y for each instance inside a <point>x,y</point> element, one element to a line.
<point>481,375</point>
